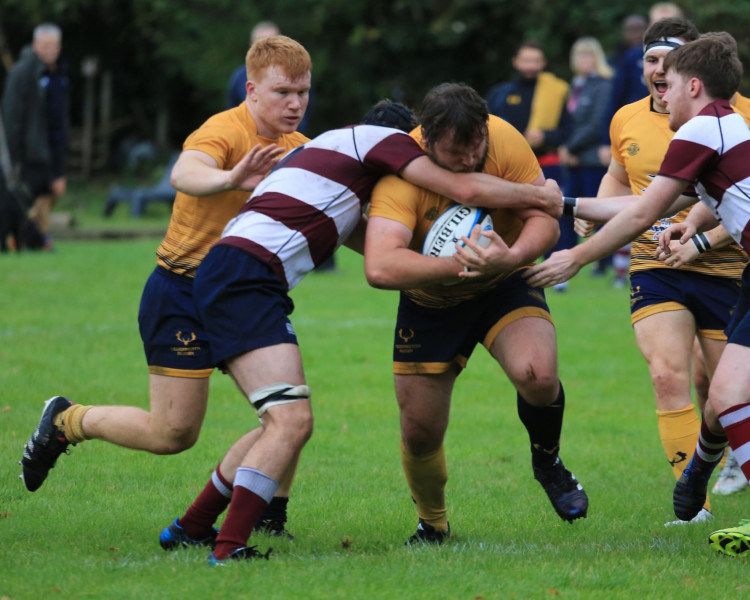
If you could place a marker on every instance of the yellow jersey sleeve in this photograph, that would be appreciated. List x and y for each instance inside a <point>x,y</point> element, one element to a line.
<point>197,223</point>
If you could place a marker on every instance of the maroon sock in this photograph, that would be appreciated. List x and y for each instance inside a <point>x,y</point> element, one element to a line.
<point>710,447</point>
<point>244,510</point>
<point>211,502</point>
<point>736,424</point>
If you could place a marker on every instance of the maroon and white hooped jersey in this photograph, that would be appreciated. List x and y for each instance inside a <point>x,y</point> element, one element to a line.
<point>711,151</point>
<point>309,204</point>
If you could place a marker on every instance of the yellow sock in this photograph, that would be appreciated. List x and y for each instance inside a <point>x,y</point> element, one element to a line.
<point>427,475</point>
<point>70,422</point>
<point>679,430</point>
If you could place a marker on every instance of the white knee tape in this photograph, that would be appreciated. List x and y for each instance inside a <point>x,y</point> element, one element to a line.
<point>277,393</point>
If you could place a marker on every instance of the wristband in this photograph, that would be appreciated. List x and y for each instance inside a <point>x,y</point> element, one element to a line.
<point>701,242</point>
<point>570,206</point>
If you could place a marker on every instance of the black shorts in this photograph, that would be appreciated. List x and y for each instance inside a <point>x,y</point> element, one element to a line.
<point>431,340</point>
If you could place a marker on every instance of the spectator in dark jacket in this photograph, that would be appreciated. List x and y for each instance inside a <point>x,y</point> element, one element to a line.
<point>35,112</point>
<point>534,103</point>
<point>586,105</point>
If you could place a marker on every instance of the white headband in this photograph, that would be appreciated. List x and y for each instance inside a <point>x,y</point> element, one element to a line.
<point>664,43</point>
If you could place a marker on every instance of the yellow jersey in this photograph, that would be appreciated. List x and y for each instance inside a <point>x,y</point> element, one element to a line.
<point>508,156</point>
<point>197,223</point>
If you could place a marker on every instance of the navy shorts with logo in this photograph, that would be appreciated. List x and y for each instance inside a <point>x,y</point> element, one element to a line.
<point>710,299</point>
<point>242,304</point>
<point>173,338</point>
<point>431,340</point>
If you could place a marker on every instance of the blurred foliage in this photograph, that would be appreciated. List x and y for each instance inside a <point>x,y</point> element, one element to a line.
<point>181,54</point>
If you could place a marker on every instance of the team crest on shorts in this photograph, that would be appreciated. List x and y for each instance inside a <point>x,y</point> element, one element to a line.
<point>633,149</point>
<point>187,348</point>
<point>406,334</point>
<point>185,338</point>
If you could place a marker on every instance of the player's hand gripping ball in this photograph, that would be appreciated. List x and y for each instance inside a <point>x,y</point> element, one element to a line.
<point>448,229</point>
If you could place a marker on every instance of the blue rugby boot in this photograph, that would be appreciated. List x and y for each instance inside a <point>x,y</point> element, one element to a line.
<point>174,536</point>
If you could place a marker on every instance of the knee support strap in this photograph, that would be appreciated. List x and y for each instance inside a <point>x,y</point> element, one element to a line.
<point>277,393</point>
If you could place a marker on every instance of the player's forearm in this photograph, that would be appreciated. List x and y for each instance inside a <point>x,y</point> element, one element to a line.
<point>404,269</point>
<point>601,210</point>
<point>612,196</point>
<point>703,219</point>
<point>619,230</point>
<point>489,191</point>
<point>539,234</point>
<point>195,178</point>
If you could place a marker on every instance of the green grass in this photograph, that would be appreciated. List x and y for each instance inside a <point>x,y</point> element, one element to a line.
<point>68,326</point>
<point>85,201</point>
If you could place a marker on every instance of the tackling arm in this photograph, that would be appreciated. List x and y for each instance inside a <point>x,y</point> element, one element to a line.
<point>624,227</point>
<point>482,189</point>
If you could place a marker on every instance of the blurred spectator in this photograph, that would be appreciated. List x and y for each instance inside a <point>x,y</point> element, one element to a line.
<point>663,10</point>
<point>633,28</point>
<point>534,103</point>
<point>35,111</point>
<point>587,102</point>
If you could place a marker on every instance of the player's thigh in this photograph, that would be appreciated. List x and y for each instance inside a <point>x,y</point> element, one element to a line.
<point>526,349</point>
<point>665,339</point>
<point>178,404</point>
<point>280,363</point>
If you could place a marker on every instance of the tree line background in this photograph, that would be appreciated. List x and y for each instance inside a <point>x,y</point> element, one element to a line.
<point>169,62</point>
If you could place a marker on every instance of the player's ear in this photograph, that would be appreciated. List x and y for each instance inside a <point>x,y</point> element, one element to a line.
<point>250,87</point>
<point>694,86</point>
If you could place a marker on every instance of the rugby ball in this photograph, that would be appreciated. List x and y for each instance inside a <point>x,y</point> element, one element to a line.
<point>448,229</point>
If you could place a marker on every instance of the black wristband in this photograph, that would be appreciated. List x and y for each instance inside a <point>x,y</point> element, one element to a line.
<point>701,242</point>
<point>570,206</point>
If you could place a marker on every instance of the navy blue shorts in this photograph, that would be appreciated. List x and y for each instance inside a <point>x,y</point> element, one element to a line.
<point>242,304</point>
<point>431,340</point>
<point>173,338</point>
<point>738,330</point>
<point>709,299</point>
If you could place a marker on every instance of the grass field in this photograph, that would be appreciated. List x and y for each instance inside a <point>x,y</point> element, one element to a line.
<point>68,326</point>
